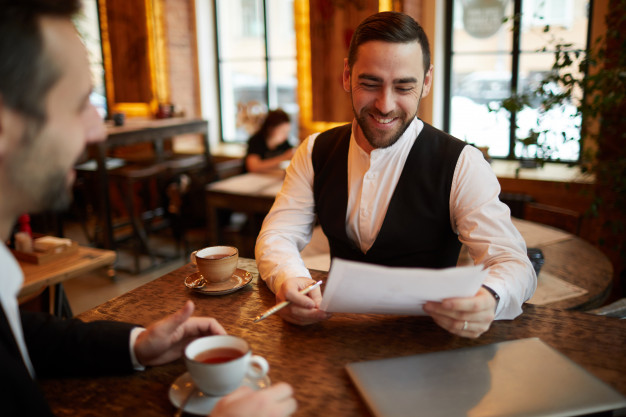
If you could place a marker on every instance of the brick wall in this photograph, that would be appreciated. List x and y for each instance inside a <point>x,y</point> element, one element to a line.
<point>180,35</point>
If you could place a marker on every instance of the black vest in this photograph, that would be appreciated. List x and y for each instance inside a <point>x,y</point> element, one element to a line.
<point>416,230</point>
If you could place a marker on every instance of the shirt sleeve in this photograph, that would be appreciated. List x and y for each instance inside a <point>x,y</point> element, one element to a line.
<point>484,226</point>
<point>288,227</point>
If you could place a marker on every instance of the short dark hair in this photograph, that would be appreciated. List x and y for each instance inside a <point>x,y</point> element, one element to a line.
<point>391,27</point>
<point>274,118</point>
<point>26,72</point>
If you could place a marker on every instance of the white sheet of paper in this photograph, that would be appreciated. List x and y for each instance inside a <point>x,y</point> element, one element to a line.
<point>355,287</point>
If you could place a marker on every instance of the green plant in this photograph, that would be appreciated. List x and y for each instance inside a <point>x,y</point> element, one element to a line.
<point>559,92</point>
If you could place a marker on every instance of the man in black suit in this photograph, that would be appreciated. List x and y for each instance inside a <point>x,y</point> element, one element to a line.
<point>46,120</point>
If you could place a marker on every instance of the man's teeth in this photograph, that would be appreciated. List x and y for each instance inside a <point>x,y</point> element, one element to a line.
<point>383,121</point>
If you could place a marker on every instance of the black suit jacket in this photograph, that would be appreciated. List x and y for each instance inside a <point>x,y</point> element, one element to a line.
<point>57,348</point>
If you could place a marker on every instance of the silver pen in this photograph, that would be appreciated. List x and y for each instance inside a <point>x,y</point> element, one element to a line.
<point>284,304</point>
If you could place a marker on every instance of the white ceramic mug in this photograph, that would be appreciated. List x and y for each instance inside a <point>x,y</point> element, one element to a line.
<point>225,371</point>
<point>216,263</point>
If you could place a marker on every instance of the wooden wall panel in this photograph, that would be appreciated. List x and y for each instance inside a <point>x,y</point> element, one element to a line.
<point>128,38</point>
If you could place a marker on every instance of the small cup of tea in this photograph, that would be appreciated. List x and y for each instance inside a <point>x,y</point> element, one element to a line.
<point>218,364</point>
<point>216,263</point>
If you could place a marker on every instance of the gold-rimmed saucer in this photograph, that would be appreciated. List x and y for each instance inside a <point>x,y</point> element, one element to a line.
<point>238,280</point>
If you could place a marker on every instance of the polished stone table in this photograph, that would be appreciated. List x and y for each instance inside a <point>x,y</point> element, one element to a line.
<point>313,358</point>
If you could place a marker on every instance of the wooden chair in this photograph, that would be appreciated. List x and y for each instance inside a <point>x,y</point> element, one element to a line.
<point>558,217</point>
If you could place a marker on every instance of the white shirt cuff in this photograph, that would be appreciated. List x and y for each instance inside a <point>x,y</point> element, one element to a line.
<point>133,339</point>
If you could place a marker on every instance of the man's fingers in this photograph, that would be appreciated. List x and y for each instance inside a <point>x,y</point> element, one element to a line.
<point>305,301</point>
<point>170,323</point>
<point>204,326</point>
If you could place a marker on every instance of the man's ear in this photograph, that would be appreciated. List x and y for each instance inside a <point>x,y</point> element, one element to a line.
<point>346,76</point>
<point>428,82</point>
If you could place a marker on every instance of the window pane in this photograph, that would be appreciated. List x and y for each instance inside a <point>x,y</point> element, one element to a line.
<point>477,81</point>
<point>558,121</point>
<point>281,33</point>
<point>283,89</point>
<point>88,25</point>
<point>243,95</point>
<point>241,29</point>
<point>567,21</point>
<point>479,28</point>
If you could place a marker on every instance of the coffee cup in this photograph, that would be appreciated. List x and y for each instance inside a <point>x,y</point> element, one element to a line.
<point>216,263</point>
<point>219,364</point>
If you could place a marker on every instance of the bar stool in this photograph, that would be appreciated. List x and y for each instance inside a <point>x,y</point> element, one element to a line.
<point>146,178</point>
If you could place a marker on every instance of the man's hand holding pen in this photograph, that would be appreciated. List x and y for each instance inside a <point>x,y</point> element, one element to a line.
<point>303,309</point>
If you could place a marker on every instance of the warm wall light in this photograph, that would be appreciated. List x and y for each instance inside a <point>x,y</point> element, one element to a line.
<point>157,62</point>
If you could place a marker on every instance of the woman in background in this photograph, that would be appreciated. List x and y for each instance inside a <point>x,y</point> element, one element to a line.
<point>269,146</point>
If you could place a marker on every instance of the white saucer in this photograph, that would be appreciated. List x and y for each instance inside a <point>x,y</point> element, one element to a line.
<point>201,403</point>
<point>238,280</point>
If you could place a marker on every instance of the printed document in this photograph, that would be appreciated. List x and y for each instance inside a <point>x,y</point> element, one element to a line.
<point>355,287</point>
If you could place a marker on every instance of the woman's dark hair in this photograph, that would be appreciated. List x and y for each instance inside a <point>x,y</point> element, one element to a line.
<point>391,27</point>
<point>26,72</point>
<point>274,118</point>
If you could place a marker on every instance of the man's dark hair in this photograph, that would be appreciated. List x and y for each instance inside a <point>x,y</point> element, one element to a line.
<point>274,118</point>
<point>26,72</point>
<point>391,27</point>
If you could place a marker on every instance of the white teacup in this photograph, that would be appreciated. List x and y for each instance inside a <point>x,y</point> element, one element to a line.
<point>218,364</point>
<point>216,263</point>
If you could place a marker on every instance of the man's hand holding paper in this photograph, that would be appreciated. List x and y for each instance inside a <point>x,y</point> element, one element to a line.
<point>452,296</point>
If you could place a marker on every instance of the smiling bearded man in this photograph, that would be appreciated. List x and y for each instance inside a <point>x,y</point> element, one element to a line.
<point>389,189</point>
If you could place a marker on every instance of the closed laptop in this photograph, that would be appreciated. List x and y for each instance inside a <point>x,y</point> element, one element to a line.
<point>523,377</point>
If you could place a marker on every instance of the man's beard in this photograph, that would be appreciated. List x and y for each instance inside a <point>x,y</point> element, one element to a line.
<point>376,139</point>
<point>48,193</point>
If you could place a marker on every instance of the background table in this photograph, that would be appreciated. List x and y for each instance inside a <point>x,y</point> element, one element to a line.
<point>252,194</point>
<point>54,273</point>
<point>313,358</point>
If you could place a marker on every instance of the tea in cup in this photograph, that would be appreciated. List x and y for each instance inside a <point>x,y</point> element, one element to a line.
<point>219,364</point>
<point>216,263</point>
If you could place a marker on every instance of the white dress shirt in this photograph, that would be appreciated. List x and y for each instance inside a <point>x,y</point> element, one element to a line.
<point>10,285</point>
<point>482,222</point>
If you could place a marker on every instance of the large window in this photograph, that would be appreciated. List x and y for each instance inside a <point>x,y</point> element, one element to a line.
<point>256,45</point>
<point>88,26</point>
<point>500,47</point>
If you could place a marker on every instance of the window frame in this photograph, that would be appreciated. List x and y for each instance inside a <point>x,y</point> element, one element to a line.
<point>516,53</point>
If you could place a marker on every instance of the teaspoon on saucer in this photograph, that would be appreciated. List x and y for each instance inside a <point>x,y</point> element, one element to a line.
<point>197,282</point>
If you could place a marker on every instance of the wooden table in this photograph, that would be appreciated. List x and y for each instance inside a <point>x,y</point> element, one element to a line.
<point>313,358</point>
<point>134,132</point>
<point>54,273</point>
<point>250,193</point>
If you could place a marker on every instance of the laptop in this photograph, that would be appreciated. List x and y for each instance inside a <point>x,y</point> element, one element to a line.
<point>523,377</point>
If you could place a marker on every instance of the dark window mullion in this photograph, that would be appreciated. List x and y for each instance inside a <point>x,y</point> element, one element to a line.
<point>447,75</point>
<point>515,52</point>
<point>267,55</point>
